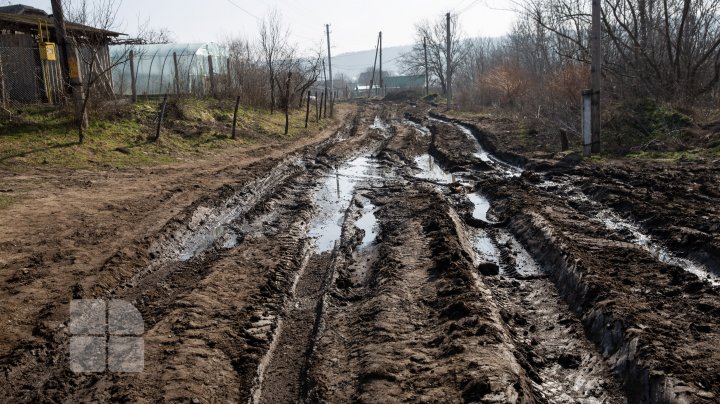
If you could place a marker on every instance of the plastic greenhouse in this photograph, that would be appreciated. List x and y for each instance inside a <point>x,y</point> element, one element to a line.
<point>155,68</point>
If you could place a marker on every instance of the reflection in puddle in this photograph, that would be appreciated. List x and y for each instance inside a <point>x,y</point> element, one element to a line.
<point>612,221</point>
<point>484,247</point>
<point>333,198</point>
<point>378,123</point>
<point>203,239</point>
<point>368,223</point>
<point>525,265</point>
<point>429,170</point>
<point>506,169</point>
<point>423,130</point>
<point>482,206</point>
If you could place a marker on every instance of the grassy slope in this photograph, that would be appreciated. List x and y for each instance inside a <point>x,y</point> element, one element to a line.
<point>44,135</point>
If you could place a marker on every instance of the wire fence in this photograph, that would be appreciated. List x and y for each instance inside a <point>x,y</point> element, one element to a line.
<point>25,78</point>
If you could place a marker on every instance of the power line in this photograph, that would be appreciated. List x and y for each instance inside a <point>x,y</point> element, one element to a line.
<point>471,5</point>
<point>243,10</point>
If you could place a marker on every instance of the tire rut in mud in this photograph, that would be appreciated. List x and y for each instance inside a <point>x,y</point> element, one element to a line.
<point>642,309</point>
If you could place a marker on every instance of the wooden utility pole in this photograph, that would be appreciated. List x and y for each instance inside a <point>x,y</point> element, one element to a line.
<point>60,38</point>
<point>382,88</point>
<point>133,83</point>
<point>427,78</point>
<point>448,61</point>
<point>332,87</point>
<point>372,78</point>
<point>72,77</point>
<point>326,91</point>
<point>595,70</point>
<point>3,93</point>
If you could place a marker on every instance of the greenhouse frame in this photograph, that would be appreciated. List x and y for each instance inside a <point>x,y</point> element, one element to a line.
<point>155,71</point>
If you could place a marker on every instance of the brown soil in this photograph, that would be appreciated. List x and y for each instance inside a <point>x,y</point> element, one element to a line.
<point>351,267</point>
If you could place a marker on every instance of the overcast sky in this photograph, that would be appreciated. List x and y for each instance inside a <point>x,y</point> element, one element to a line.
<point>354,23</point>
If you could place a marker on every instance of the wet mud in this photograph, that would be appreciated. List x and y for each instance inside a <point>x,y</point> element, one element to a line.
<point>408,258</point>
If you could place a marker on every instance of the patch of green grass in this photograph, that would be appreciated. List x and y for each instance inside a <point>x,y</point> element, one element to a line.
<point>6,201</point>
<point>692,154</point>
<point>119,136</point>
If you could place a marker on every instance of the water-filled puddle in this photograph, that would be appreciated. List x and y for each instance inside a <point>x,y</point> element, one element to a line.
<point>482,206</point>
<point>484,246</point>
<point>368,223</point>
<point>506,169</point>
<point>429,170</point>
<point>333,198</point>
<point>378,123</point>
<point>525,265</point>
<point>423,130</point>
<point>613,222</point>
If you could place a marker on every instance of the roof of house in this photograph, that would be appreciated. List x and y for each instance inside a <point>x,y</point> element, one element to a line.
<point>22,9</point>
<point>404,81</point>
<point>25,19</point>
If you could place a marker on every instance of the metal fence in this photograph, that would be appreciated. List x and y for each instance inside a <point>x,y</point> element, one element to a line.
<point>25,78</point>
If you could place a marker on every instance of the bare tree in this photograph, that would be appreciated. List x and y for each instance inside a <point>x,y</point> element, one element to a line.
<point>274,45</point>
<point>94,59</point>
<point>668,49</point>
<point>295,76</point>
<point>435,33</point>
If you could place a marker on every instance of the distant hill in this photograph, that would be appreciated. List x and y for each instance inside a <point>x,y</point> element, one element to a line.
<point>353,63</point>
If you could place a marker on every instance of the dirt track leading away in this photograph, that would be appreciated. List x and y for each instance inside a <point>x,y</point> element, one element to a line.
<point>399,258</point>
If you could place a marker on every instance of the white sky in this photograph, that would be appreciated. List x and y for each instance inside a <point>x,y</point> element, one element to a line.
<point>353,23</point>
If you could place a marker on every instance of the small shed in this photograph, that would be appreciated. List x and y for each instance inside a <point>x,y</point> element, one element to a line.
<point>168,68</point>
<point>25,76</point>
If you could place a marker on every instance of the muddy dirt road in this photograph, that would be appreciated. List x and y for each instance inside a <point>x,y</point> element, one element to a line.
<point>405,257</point>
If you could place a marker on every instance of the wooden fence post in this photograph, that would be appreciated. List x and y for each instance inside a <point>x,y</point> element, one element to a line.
<point>177,74</point>
<point>212,76</point>
<point>3,94</point>
<point>133,87</point>
<point>307,111</point>
<point>327,95</point>
<point>322,98</point>
<point>160,118</point>
<point>237,104</point>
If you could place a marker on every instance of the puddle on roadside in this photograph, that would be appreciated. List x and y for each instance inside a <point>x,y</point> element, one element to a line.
<point>423,130</point>
<point>378,123</point>
<point>429,170</point>
<point>612,221</point>
<point>333,198</point>
<point>525,265</point>
<point>484,246</point>
<point>368,223</point>
<point>506,169</point>
<point>231,240</point>
<point>482,206</point>
<point>204,238</point>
